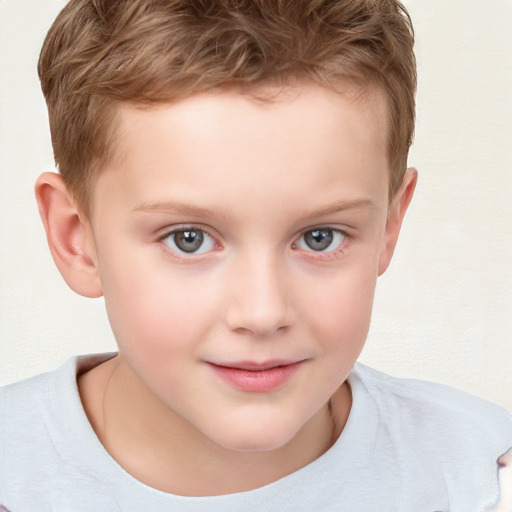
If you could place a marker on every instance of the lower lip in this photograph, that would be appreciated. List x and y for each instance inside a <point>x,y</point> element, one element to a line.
<point>258,381</point>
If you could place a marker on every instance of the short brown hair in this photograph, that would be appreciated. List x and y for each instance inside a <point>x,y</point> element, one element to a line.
<point>102,52</point>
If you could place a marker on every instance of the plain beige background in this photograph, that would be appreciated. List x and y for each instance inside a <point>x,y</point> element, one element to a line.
<point>442,312</point>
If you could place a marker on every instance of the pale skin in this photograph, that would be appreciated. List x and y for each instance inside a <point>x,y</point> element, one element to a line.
<point>255,181</point>
<point>505,477</point>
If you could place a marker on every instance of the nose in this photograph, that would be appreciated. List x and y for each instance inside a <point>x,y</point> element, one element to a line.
<point>260,302</point>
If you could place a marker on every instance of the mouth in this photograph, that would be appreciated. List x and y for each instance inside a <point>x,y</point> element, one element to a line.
<point>254,376</point>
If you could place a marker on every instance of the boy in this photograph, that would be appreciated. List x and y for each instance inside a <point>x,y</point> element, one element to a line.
<point>232,181</point>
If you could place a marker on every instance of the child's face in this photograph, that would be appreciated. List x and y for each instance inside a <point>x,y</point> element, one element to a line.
<point>236,236</point>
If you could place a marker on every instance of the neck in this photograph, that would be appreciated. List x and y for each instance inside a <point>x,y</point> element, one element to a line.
<point>164,451</point>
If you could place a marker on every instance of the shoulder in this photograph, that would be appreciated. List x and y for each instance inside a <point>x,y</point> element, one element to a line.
<point>438,434</point>
<point>31,398</point>
<point>40,421</point>
<point>20,398</point>
<point>425,403</point>
<point>22,404</point>
<point>40,402</point>
<point>26,447</point>
<point>28,408</point>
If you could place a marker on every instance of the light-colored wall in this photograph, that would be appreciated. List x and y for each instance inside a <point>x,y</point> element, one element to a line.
<point>443,311</point>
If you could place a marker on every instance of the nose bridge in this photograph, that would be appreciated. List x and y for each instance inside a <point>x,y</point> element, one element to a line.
<point>260,301</point>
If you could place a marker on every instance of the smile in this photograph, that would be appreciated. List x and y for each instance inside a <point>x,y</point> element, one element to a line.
<point>256,377</point>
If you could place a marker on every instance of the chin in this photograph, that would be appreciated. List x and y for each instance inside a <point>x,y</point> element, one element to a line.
<point>255,438</point>
<point>258,445</point>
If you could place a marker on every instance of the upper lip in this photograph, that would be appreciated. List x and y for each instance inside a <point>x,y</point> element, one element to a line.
<point>255,366</point>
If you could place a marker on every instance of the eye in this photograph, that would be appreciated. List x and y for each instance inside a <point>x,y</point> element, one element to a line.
<point>189,241</point>
<point>321,240</point>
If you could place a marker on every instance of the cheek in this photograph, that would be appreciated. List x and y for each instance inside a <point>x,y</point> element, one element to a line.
<point>155,311</point>
<point>341,310</point>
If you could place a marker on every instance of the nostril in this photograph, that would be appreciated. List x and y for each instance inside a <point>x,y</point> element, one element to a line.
<point>243,331</point>
<point>260,330</point>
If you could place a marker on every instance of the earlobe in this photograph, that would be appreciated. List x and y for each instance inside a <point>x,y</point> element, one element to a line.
<point>396,214</point>
<point>69,236</point>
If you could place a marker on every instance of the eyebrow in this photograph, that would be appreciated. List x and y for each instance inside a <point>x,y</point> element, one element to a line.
<point>340,206</point>
<point>174,207</point>
<point>198,211</point>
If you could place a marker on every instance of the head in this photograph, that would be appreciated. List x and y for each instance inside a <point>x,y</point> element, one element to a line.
<point>233,182</point>
<point>100,54</point>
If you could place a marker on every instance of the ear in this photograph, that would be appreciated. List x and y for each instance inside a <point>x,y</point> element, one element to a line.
<point>396,214</point>
<point>69,235</point>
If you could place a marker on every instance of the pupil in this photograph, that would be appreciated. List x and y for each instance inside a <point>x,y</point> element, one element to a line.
<point>318,239</point>
<point>189,241</point>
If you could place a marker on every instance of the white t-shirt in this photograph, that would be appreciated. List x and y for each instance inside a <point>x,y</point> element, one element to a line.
<point>408,446</point>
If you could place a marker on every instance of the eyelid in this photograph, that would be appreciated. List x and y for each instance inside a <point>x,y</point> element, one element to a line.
<point>347,238</point>
<point>174,228</point>
<point>165,233</point>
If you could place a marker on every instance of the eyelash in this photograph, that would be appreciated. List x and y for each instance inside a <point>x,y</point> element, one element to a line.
<point>325,255</point>
<point>183,255</point>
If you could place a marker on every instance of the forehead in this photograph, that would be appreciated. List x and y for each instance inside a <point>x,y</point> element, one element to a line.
<point>366,100</point>
<point>275,136</point>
